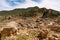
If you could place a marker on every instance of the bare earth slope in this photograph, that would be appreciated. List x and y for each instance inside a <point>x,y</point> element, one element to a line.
<point>30,24</point>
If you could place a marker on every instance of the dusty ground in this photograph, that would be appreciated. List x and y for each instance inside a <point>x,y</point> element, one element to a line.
<point>31,29</point>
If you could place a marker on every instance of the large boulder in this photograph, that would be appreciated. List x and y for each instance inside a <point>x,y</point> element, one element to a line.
<point>8,32</point>
<point>43,34</point>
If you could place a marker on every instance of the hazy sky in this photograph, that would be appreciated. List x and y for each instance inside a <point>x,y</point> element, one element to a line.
<point>12,4</point>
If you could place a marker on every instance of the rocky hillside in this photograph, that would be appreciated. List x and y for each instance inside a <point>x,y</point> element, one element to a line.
<point>30,24</point>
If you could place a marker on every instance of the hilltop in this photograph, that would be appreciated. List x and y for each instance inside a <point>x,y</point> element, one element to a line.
<point>31,11</point>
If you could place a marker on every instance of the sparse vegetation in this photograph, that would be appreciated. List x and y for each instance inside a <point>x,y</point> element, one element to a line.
<point>22,37</point>
<point>30,24</point>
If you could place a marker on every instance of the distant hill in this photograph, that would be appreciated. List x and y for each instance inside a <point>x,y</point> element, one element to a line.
<point>30,12</point>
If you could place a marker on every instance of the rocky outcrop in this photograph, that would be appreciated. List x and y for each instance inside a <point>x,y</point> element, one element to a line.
<point>8,32</point>
<point>48,35</point>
